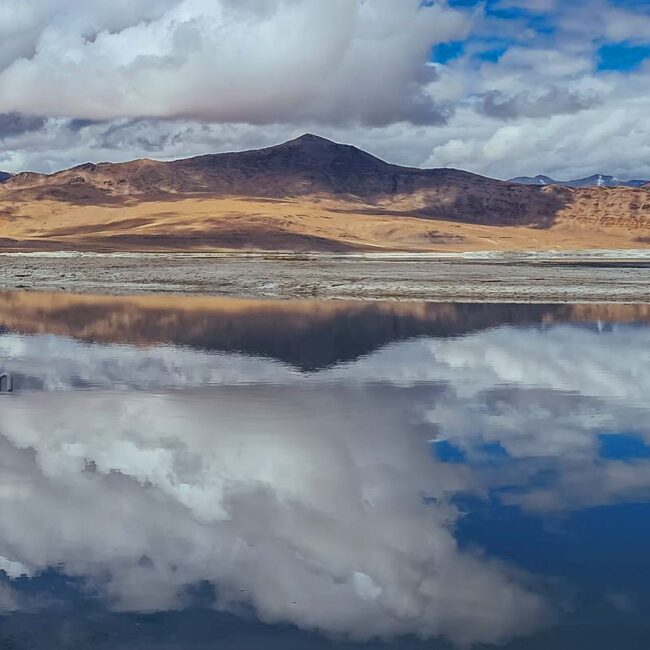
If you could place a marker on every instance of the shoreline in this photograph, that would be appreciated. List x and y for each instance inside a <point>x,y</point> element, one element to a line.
<point>610,254</point>
<point>516,277</point>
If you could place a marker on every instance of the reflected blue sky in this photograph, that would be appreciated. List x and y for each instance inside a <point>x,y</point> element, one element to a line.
<point>486,489</point>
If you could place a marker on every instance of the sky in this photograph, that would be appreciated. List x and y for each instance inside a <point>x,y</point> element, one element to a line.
<point>499,87</point>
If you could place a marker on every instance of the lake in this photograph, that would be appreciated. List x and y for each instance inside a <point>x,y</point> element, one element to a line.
<point>220,473</point>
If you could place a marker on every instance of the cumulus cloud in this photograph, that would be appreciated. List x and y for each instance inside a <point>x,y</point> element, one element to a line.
<point>609,136</point>
<point>609,21</point>
<point>15,124</point>
<point>530,5</point>
<point>528,104</point>
<point>562,115</point>
<point>226,61</point>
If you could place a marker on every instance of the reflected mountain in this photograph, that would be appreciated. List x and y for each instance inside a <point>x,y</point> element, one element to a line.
<point>309,335</point>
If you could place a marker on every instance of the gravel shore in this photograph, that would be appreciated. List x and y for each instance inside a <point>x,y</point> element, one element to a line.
<point>558,277</point>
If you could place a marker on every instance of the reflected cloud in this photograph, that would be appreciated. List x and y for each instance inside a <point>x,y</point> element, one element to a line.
<point>317,522</point>
<point>314,498</point>
<point>8,600</point>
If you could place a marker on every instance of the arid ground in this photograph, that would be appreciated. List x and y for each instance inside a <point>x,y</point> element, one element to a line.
<point>502,278</point>
<point>219,224</point>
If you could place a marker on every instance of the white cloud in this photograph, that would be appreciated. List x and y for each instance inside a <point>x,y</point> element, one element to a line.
<point>597,139</point>
<point>530,5</point>
<point>228,61</point>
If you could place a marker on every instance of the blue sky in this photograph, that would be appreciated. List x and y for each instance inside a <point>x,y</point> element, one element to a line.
<point>622,56</point>
<point>611,55</point>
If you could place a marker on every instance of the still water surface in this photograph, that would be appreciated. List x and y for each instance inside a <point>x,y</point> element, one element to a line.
<point>196,473</point>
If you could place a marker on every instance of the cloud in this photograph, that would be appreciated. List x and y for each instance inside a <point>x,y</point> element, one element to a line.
<point>22,25</point>
<point>529,5</point>
<point>603,20</point>
<point>15,124</point>
<point>596,139</point>
<point>553,101</point>
<point>225,61</point>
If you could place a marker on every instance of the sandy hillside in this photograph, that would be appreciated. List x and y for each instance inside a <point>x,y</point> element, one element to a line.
<point>308,194</point>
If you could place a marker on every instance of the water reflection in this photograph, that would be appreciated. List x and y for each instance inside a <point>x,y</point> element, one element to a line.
<point>423,490</point>
<point>309,335</point>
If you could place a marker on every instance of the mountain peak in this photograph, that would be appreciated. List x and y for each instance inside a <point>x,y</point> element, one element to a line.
<point>312,137</point>
<point>324,152</point>
<point>310,140</point>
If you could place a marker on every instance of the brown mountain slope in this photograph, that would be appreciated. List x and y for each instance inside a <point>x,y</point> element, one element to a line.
<point>307,334</point>
<point>308,193</point>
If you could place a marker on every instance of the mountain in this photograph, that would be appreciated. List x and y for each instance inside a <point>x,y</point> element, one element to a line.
<point>597,180</point>
<point>4,176</point>
<point>308,165</point>
<point>307,194</point>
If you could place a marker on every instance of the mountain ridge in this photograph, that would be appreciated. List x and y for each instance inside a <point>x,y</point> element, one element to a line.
<point>595,180</point>
<point>339,168</point>
<point>308,166</point>
<point>318,147</point>
<point>307,194</point>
